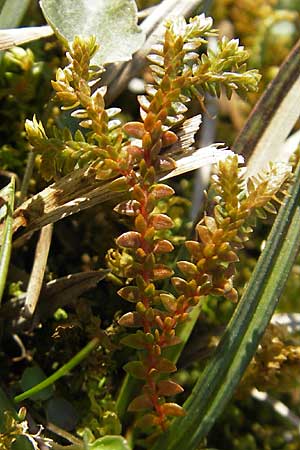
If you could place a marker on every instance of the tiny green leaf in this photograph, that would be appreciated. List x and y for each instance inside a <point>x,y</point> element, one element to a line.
<point>33,376</point>
<point>113,22</point>
<point>139,403</point>
<point>136,369</point>
<point>109,443</point>
<point>22,443</point>
<point>137,340</point>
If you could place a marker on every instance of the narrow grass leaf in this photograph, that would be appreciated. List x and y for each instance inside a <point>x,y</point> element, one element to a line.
<point>12,13</point>
<point>18,36</point>
<point>5,243</point>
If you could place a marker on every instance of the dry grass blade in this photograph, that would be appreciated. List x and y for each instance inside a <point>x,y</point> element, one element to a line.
<point>65,290</point>
<point>81,190</point>
<point>55,294</point>
<point>38,270</point>
<point>277,406</point>
<point>273,118</point>
<point>18,36</point>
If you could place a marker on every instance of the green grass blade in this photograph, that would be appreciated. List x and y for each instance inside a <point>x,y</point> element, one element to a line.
<point>5,250</point>
<point>12,12</point>
<point>241,338</point>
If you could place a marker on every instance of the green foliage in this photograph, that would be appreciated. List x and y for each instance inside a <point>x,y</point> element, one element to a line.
<point>15,434</point>
<point>109,443</point>
<point>33,376</point>
<point>22,93</point>
<point>268,28</point>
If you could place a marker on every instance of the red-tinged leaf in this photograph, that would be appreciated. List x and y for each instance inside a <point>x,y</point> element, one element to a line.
<point>230,257</point>
<point>119,185</point>
<point>128,208</point>
<point>166,164</point>
<point>180,285</point>
<point>169,302</point>
<point>149,177</point>
<point>150,122</point>
<point>135,151</point>
<point>130,319</point>
<point>210,223</point>
<point>205,289</point>
<point>194,248</point>
<point>146,421</point>
<point>151,203</point>
<point>135,129</point>
<point>172,340</point>
<point>168,387</point>
<point>169,138</point>
<point>160,272</point>
<point>130,293</point>
<point>164,365</point>
<point>148,236</point>
<point>134,270</point>
<point>136,369</point>
<point>137,340</point>
<point>138,194</point>
<point>187,268</point>
<point>160,191</point>
<point>147,140</point>
<point>232,295</point>
<point>140,403</point>
<point>130,239</point>
<point>163,246</point>
<point>140,224</point>
<point>161,222</point>
<point>204,234</point>
<point>172,409</point>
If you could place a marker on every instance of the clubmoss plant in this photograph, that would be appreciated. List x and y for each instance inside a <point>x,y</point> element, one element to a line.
<point>132,156</point>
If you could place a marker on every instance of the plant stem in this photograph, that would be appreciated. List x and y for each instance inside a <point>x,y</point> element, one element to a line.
<point>66,368</point>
